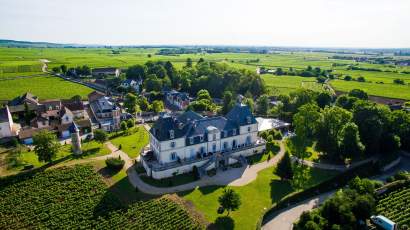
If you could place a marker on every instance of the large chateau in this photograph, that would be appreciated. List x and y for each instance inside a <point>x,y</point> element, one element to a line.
<point>180,142</point>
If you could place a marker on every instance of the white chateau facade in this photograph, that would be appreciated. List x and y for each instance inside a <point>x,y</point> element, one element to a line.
<point>178,143</point>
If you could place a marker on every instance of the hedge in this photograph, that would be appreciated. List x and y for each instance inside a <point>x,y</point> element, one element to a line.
<point>115,163</point>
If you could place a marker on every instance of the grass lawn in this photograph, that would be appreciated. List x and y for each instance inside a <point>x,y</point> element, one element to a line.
<point>15,161</point>
<point>286,84</point>
<point>255,197</point>
<point>47,87</point>
<point>132,142</point>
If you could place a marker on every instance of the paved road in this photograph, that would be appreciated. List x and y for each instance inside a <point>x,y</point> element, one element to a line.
<point>284,220</point>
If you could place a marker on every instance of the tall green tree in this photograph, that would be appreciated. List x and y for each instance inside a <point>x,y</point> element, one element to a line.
<point>63,69</point>
<point>330,125</point>
<point>157,106</point>
<point>228,102</point>
<point>131,103</point>
<point>306,121</point>
<point>188,62</point>
<point>46,145</point>
<point>284,168</point>
<point>100,135</point>
<point>349,142</point>
<point>136,72</point>
<point>229,200</point>
<point>262,105</point>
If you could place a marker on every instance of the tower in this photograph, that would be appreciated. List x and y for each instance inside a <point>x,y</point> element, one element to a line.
<point>75,138</point>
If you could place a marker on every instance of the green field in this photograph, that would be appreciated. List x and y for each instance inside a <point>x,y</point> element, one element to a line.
<point>256,197</point>
<point>73,198</point>
<point>47,87</point>
<point>21,61</point>
<point>132,141</point>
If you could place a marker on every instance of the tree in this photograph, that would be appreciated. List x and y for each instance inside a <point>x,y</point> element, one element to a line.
<point>46,145</point>
<point>324,99</point>
<point>100,135</point>
<point>372,120</point>
<point>130,103</point>
<point>63,69</point>
<point>203,94</point>
<point>76,98</point>
<point>328,132</point>
<point>284,168</point>
<point>153,83</point>
<point>136,72</point>
<point>188,62</point>
<point>28,114</point>
<point>157,106</point>
<point>306,121</point>
<point>400,125</point>
<point>346,102</point>
<point>229,200</point>
<point>262,105</point>
<point>143,104</point>
<point>123,125</point>
<point>56,69</point>
<point>130,123</point>
<point>228,102</point>
<point>358,93</point>
<point>349,143</point>
<point>249,102</point>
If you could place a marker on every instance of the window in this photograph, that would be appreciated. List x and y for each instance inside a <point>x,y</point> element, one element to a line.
<point>248,139</point>
<point>214,148</point>
<point>201,138</point>
<point>225,133</point>
<point>214,137</point>
<point>202,150</point>
<point>171,134</point>
<point>191,140</point>
<point>249,129</point>
<point>225,145</point>
<point>234,144</point>
<point>234,132</point>
<point>173,156</point>
<point>172,144</point>
<point>248,119</point>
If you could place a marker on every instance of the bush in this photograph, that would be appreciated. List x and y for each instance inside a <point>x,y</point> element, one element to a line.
<point>100,135</point>
<point>115,163</point>
<point>130,123</point>
<point>361,79</point>
<point>401,175</point>
<point>347,78</point>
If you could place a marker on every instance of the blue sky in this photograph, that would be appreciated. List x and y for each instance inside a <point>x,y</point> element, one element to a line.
<point>319,23</point>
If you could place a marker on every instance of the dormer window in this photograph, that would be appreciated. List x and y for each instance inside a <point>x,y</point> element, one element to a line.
<point>171,134</point>
<point>191,140</point>
<point>234,132</point>
<point>248,119</point>
<point>249,129</point>
<point>201,138</point>
<point>173,144</point>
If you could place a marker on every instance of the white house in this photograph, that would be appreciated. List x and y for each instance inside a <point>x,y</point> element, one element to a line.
<point>106,71</point>
<point>6,123</point>
<point>132,83</point>
<point>177,143</point>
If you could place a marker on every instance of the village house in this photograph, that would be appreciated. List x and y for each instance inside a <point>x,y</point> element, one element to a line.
<point>130,83</point>
<point>107,71</point>
<point>179,142</point>
<point>177,100</point>
<point>105,111</point>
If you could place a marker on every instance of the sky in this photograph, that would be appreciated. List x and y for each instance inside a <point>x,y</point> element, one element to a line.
<point>303,23</point>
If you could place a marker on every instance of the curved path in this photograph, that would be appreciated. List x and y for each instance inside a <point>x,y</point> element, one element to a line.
<point>332,166</point>
<point>233,177</point>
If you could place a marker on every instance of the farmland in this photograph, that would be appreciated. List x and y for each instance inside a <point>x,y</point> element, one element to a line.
<point>19,61</point>
<point>45,87</point>
<point>395,205</point>
<point>77,198</point>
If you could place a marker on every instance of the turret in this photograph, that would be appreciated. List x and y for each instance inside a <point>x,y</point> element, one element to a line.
<point>75,139</point>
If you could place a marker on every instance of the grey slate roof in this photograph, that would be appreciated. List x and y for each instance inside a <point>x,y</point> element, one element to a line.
<point>192,125</point>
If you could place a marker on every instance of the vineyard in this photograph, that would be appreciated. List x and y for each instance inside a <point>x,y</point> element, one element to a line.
<point>395,205</point>
<point>72,198</point>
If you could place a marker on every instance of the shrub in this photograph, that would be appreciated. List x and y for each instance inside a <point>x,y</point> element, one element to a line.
<point>114,163</point>
<point>399,81</point>
<point>130,123</point>
<point>347,78</point>
<point>100,135</point>
<point>401,175</point>
<point>361,79</point>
